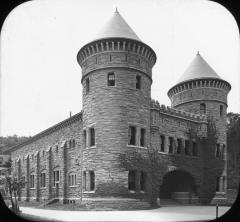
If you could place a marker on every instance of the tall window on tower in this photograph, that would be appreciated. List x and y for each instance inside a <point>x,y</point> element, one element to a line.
<point>131,180</point>
<point>87,86</point>
<point>92,136</point>
<point>221,110</point>
<point>132,135</point>
<point>138,82</point>
<point>142,137</point>
<point>202,108</point>
<point>111,79</point>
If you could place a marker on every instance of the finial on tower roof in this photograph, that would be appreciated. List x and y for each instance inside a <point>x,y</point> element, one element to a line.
<point>116,10</point>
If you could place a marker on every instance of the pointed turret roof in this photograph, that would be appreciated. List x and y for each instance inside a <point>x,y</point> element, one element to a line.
<point>198,69</point>
<point>117,27</point>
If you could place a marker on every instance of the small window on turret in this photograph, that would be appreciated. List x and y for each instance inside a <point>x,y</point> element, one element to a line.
<point>202,108</point>
<point>87,86</point>
<point>221,110</point>
<point>111,79</point>
<point>138,82</point>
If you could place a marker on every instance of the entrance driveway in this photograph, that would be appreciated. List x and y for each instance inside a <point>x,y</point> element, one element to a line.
<point>167,213</point>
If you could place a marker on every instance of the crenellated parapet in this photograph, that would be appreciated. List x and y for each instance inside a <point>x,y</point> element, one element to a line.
<point>177,113</point>
<point>116,52</point>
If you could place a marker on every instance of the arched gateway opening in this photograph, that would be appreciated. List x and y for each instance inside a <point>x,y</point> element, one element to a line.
<point>178,185</point>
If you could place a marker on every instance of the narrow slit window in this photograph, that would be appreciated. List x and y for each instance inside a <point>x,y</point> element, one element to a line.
<point>92,136</point>
<point>92,180</point>
<point>162,143</point>
<point>138,82</point>
<point>87,86</point>
<point>142,138</point>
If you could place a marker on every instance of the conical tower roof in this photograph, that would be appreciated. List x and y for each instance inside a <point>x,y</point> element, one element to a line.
<point>198,69</point>
<point>117,27</point>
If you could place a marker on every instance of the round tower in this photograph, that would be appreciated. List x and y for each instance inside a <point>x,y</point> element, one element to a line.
<point>116,79</point>
<point>201,90</point>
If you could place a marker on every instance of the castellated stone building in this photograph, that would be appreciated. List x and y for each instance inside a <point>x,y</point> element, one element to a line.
<point>78,157</point>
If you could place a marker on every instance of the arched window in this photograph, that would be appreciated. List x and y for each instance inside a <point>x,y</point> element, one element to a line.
<point>202,108</point>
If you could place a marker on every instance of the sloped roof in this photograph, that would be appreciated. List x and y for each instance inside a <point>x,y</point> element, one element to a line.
<point>117,27</point>
<point>198,69</point>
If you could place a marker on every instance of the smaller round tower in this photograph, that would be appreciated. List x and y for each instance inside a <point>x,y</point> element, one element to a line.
<point>201,90</point>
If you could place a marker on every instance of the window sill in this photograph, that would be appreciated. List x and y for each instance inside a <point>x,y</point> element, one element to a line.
<point>74,186</point>
<point>91,147</point>
<point>220,192</point>
<point>92,191</point>
<point>32,188</point>
<point>135,146</point>
<point>43,188</point>
<point>132,191</point>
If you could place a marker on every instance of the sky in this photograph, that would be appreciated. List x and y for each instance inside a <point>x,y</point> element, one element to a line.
<point>40,76</point>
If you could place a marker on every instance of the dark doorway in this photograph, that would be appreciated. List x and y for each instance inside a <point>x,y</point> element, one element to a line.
<point>177,181</point>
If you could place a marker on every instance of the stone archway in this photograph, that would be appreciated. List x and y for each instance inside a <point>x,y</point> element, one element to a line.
<point>178,185</point>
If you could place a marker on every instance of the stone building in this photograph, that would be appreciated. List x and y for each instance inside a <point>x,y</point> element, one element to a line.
<point>79,157</point>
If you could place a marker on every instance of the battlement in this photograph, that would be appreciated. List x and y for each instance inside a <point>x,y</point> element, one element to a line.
<point>175,112</point>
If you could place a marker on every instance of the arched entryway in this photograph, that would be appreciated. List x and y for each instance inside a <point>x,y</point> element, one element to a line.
<point>178,185</point>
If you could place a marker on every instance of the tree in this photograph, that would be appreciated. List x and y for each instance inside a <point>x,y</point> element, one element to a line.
<point>12,186</point>
<point>150,161</point>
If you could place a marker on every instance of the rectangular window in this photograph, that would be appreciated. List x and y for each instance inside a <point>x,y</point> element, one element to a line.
<point>218,184</point>
<point>138,82</point>
<point>84,181</point>
<point>194,148</point>
<point>143,181</point>
<point>56,177</point>
<point>23,181</point>
<point>111,79</point>
<point>221,110</point>
<point>43,180</point>
<point>142,137</point>
<point>170,144</point>
<point>72,179</point>
<point>202,108</point>
<point>85,138</point>
<point>92,180</point>
<point>132,135</point>
<point>223,152</point>
<point>92,136</point>
<point>187,147</point>
<point>218,152</point>
<point>87,86</point>
<point>179,146</point>
<point>131,180</point>
<point>32,184</point>
<point>162,143</point>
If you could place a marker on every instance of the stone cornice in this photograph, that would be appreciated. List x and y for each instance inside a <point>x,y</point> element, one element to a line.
<point>199,83</point>
<point>116,44</point>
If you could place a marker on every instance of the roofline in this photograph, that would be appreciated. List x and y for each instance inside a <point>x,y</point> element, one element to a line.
<point>206,78</point>
<point>49,130</point>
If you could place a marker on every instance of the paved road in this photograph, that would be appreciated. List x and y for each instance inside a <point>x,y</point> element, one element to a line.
<point>170,213</point>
